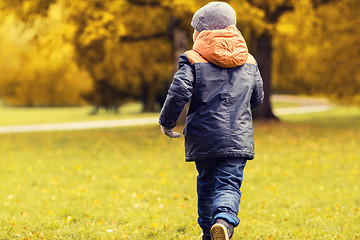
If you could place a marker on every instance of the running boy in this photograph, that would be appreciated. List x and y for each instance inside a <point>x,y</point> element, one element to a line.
<point>223,82</point>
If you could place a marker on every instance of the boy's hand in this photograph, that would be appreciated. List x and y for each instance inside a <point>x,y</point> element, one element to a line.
<point>169,132</point>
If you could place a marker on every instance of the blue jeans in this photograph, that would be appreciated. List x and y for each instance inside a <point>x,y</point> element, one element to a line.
<point>218,189</point>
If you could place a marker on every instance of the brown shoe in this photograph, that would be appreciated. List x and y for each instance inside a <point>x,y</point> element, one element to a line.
<point>221,230</point>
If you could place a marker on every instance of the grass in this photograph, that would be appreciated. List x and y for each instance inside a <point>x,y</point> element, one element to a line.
<point>284,104</point>
<point>38,115</point>
<point>132,183</point>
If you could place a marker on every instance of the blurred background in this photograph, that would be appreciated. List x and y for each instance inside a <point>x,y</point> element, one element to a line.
<point>106,53</point>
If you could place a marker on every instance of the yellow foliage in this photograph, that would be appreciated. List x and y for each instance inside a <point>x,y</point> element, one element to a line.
<point>323,57</point>
<point>249,18</point>
<point>41,72</point>
<point>287,28</point>
<point>127,47</point>
<point>127,44</point>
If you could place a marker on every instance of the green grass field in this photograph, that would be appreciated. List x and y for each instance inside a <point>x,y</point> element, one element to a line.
<point>38,115</point>
<point>133,183</point>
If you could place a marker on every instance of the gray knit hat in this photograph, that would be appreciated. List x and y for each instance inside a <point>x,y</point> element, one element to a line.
<point>214,15</point>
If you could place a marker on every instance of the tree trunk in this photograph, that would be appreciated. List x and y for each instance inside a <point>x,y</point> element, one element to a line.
<point>262,48</point>
<point>149,96</point>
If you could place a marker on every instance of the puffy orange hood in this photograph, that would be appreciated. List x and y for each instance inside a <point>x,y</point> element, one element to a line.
<point>225,48</point>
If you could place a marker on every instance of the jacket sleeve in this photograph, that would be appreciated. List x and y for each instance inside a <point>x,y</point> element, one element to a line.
<point>179,93</point>
<point>258,92</point>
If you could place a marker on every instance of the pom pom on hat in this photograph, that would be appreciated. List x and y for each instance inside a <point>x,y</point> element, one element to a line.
<point>213,16</point>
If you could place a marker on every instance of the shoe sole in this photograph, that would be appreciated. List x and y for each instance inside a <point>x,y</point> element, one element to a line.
<point>219,232</point>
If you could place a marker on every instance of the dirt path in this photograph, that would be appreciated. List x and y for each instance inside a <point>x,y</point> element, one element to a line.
<point>301,100</point>
<point>307,105</point>
<point>79,125</point>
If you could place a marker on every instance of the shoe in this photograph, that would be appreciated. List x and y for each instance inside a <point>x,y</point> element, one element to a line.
<point>221,230</point>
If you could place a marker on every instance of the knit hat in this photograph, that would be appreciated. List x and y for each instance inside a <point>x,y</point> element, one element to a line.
<point>214,15</point>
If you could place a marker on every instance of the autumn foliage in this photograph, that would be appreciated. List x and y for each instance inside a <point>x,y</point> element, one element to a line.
<point>36,61</point>
<point>58,53</point>
<point>318,51</point>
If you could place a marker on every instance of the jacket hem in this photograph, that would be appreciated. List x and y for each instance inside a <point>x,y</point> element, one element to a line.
<point>247,156</point>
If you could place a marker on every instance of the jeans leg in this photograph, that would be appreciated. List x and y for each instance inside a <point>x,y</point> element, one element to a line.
<point>205,191</point>
<point>228,180</point>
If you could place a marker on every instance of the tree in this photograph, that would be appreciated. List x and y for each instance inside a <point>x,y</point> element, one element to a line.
<point>36,70</point>
<point>125,45</point>
<point>96,41</point>
<point>321,48</point>
<point>338,51</point>
<point>261,31</point>
<point>130,48</point>
<point>26,10</point>
<point>256,18</point>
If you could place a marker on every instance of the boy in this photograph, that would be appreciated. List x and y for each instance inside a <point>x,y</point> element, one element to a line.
<point>223,82</point>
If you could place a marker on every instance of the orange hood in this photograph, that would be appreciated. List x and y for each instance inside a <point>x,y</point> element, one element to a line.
<point>225,48</point>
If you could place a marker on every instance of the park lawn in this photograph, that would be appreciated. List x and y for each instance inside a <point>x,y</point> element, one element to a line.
<point>39,115</point>
<point>284,104</point>
<point>132,183</point>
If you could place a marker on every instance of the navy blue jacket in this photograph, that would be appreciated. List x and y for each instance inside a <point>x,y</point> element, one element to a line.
<point>223,84</point>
